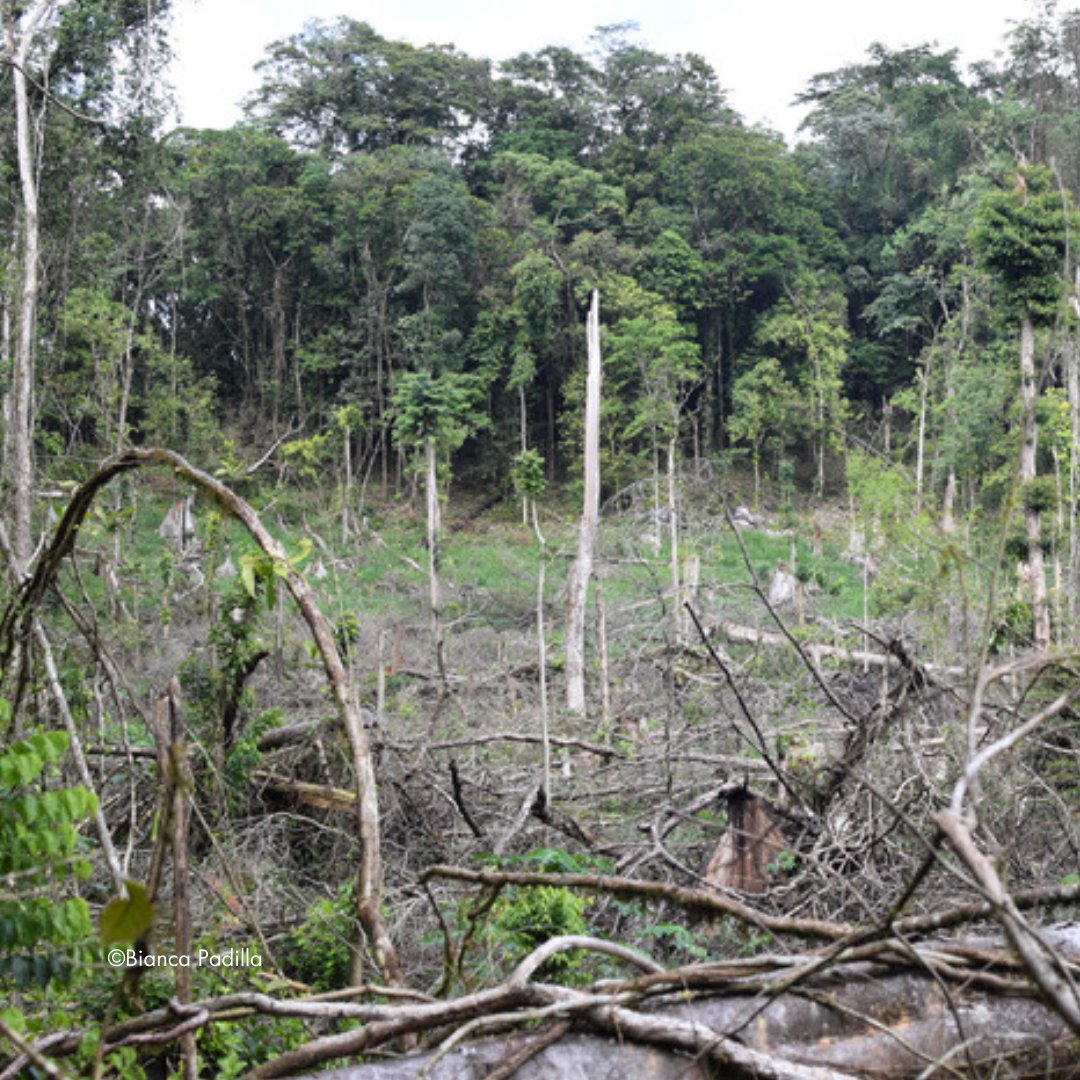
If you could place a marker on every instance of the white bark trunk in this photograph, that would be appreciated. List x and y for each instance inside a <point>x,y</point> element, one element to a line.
<point>920,446</point>
<point>673,524</point>
<point>541,647</point>
<point>578,583</point>
<point>1073,383</point>
<point>1032,518</point>
<point>433,533</point>
<point>22,375</point>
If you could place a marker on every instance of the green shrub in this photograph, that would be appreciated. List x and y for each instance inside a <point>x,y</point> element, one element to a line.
<point>319,951</point>
<point>40,932</point>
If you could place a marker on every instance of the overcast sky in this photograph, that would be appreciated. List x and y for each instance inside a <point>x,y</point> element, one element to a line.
<point>763,51</point>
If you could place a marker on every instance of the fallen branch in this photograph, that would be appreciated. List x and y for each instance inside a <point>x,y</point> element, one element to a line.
<point>738,634</point>
<point>16,624</point>
<point>321,796</point>
<point>696,900</point>
<point>839,1022</point>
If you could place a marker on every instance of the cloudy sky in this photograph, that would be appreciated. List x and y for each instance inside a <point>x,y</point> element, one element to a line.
<point>763,51</point>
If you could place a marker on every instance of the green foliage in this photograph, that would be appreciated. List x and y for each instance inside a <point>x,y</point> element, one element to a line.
<point>767,412</point>
<point>523,919</point>
<point>42,932</point>
<point>436,409</point>
<point>527,474</point>
<point>1012,627</point>
<point>306,456</point>
<point>233,1048</point>
<point>1040,495</point>
<point>1020,235</point>
<point>344,88</point>
<point>126,918</point>
<point>318,952</point>
<point>676,942</point>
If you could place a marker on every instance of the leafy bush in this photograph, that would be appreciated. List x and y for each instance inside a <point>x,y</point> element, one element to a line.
<point>39,846</point>
<point>525,918</point>
<point>319,952</point>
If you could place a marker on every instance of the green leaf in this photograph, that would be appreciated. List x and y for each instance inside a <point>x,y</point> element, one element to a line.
<point>247,576</point>
<point>126,919</point>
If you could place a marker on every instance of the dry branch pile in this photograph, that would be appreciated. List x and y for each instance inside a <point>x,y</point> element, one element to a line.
<point>782,834</point>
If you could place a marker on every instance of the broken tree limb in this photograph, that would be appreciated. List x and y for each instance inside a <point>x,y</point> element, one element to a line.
<point>700,900</point>
<point>16,625</point>
<point>1055,979</point>
<point>861,1017</point>
<point>738,634</point>
<point>321,796</point>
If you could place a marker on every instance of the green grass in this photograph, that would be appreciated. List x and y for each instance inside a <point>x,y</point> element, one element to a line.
<point>488,573</point>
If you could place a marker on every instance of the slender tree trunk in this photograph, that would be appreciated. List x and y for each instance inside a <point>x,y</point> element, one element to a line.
<point>524,422</point>
<point>948,504</point>
<point>541,644</point>
<point>920,445</point>
<point>1032,518</point>
<point>605,679</point>
<point>673,527</point>
<point>1072,379</point>
<point>656,529</point>
<point>581,571</point>
<point>431,471</point>
<point>278,341</point>
<point>22,377</point>
<point>346,498</point>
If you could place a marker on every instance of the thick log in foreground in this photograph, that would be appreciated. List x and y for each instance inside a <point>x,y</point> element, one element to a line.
<point>865,1019</point>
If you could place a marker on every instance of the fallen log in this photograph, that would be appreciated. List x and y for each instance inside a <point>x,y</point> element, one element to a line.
<point>865,1019</point>
<point>322,796</point>
<point>877,1006</point>
<point>737,634</point>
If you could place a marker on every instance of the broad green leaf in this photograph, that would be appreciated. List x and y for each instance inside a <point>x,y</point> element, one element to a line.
<point>126,920</point>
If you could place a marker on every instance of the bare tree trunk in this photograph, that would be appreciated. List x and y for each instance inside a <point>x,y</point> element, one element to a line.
<point>524,422</point>
<point>346,498</point>
<point>179,817</point>
<point>673,526</point>
<point>948,504</point>
<point>605,678</point>
<point>920,448</point>
<point>578,583</point>
<point>541,644</point>
<point>431,472</point>
<point>1032,518</point>
<point>1072,378</point>
<point>22,376</point>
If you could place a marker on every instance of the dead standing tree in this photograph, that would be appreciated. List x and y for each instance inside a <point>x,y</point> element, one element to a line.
<point>578,584</point>
<point>18,620</point>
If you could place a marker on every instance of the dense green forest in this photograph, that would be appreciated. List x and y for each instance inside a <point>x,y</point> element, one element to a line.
<point>388,209</point>
<point>295,421</point>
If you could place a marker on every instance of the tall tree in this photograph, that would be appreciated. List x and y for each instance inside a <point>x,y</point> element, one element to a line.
<point>65,58</point>
<point>1021,236</point>
<point>342,88</point>
<point>434,415</point>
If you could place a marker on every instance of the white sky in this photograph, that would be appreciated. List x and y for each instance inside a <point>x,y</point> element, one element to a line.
<point>763,51</point>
